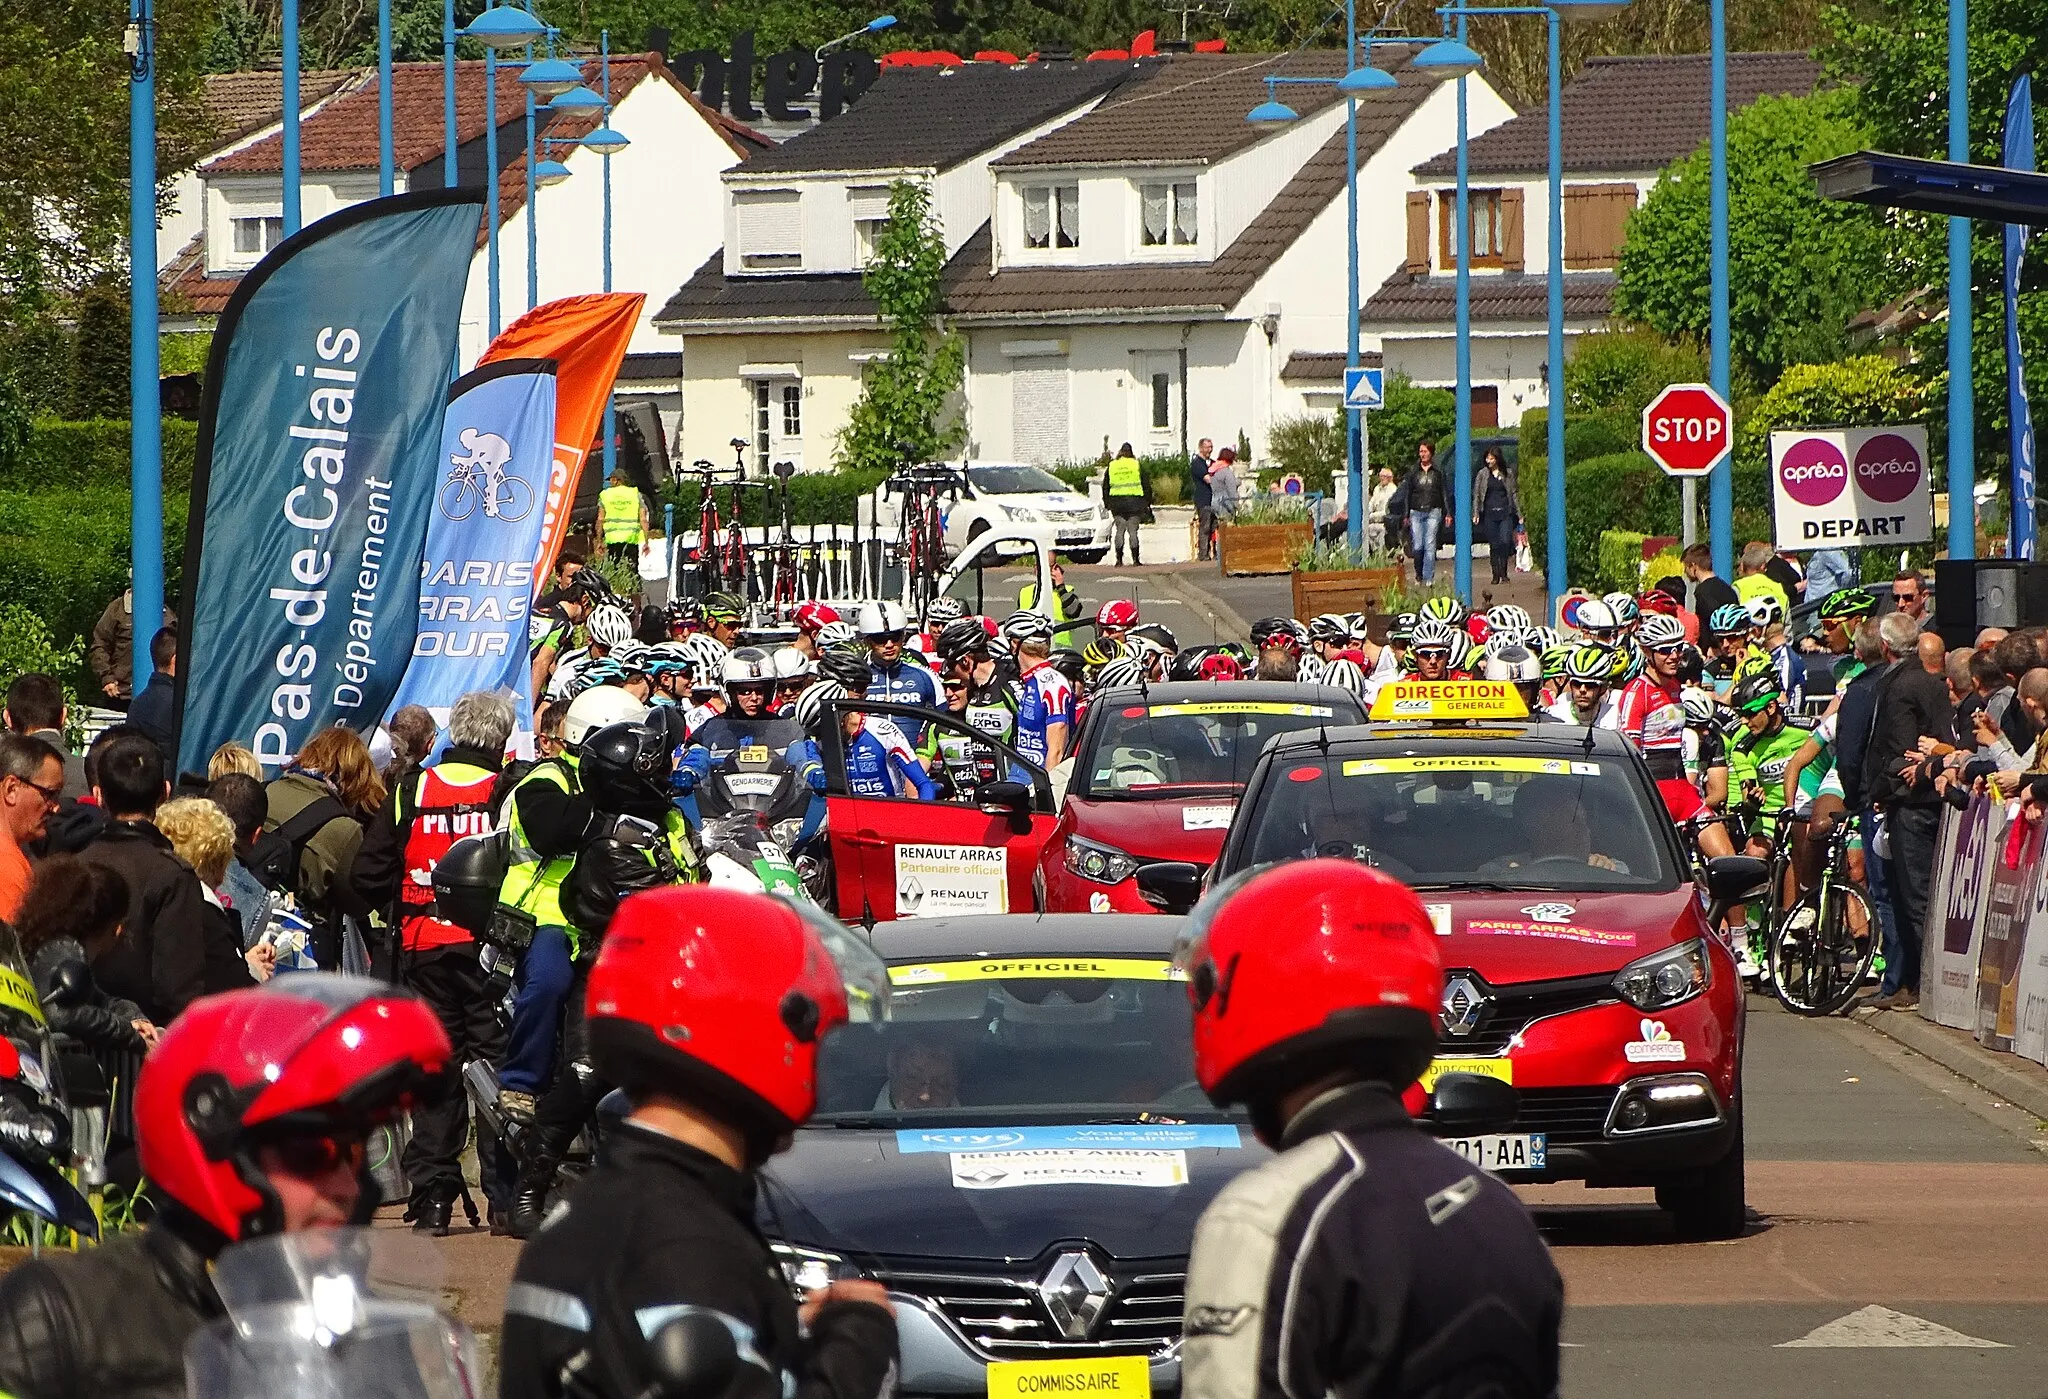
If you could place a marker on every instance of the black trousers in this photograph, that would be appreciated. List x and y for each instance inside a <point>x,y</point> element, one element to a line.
<point>452,981</point>
<point>1500,543</point>
<point>1915,831</point>
<point>571,1098</point>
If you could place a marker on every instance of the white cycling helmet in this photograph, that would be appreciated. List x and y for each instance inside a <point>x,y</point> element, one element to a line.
<point>1120,674</point>
<point>1021,626</point>
<point>1344,674</point>
<point>631,654</point>
<point>879,619</point>
<point>1596,619</point>
<point>1311,669</point>
<point>941,610</point>
<point>837,634</point>
<point>609,625</point>
<point>1657,630</point>
<point>791,664</point>
<point>1517,665</point>
<point>749,665</point>
<point>707,657</point>
<point>1764,610</point>
<point>598,708</point>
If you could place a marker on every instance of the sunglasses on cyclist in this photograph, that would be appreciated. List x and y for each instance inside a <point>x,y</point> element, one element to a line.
<point>317,1155</point>
<point>1432,652</point>
<point>884,638</point>
<point>1587,684</point>
<point>952,685</point>
<point>1677,648</point>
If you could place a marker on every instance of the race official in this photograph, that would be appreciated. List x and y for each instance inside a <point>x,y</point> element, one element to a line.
<point>1367,1258</point>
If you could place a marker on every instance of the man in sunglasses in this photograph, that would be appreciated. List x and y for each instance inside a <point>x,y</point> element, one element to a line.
<point>1651,711</point>
<point>898,677</point>
<point>1909,595</point>
<point>31,785</point>
<point>252,1114</point>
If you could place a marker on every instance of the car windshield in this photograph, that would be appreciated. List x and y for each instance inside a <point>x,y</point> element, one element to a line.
<point>1013,480</point>
<point>1019,1039</point>
<point>1468,820</point>
<point>1141,751</point>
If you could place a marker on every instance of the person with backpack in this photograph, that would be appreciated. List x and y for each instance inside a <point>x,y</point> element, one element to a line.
<point>318,809</point>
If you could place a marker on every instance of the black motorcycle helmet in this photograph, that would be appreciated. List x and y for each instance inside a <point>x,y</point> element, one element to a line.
<point>847,669</point>
<point>1187,665</point>
<point>965,637</point>
<point>1068,662</point>
<point>625,770</point>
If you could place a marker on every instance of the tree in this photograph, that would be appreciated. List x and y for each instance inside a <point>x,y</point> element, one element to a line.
<point>1866,391</point>
<point>908,408</point>
<point>1625,369</point>
<point>1800,267</point>
<point>1410,415</point>
<point>99,385</point>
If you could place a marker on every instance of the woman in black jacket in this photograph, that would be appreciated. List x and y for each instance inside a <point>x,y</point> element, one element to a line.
<point>72,913</point>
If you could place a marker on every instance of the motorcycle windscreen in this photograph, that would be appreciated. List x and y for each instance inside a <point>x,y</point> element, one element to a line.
<point>42,1191</point>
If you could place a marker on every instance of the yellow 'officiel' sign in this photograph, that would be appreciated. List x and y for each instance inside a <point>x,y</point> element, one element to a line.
<point>1449,699</point>
<point>1109,1377</point>
<point>1298,711</point>
<point>1029,968</point>
<point>1471,762</point>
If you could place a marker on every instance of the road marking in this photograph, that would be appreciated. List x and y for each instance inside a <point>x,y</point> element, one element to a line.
<point>1119,578</point>
<point>1881,1327</point>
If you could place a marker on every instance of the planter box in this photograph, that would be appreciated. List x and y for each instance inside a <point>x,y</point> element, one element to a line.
<point>1343,590</point>
<point>1261,548</point>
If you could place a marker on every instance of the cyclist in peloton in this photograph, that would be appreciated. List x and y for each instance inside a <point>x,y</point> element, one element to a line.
<point>1757,760</point>
<point>897,678</point>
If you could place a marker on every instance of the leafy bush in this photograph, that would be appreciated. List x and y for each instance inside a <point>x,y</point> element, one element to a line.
<point>1867,391</point>
<point>1625,369</point>
<point>1626,491</point>
<point>64,556</point>
<point>1409,415</point>
<point>26,647</point>
<point>1665,565</point>
<point>1621,561</point>
<point>61,455</point>
<point>815,498</point>
<point>1310,445</point>
<point>1599,432</point>
<point>1318,557</point>
<point>1265,508</point>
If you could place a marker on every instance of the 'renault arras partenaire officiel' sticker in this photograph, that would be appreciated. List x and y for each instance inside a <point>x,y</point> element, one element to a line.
<point>1655,1047</point>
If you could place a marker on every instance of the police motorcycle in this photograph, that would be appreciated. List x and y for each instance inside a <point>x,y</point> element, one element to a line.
<point>752,811</point>
<point>36,1120</point>
<point>350,1314</point>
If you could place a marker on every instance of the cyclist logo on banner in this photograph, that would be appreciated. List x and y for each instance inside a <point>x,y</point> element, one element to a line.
<point>476,476</point>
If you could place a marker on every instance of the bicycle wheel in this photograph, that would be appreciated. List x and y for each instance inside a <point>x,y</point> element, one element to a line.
<point>1822,949</point>
<point>459,497</point>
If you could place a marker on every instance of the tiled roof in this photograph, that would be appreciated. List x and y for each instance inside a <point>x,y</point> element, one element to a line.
<point>239,103</point>
<point>186,288</point>
<point>1630,114</point>
<point>934,118</point>
<point>343,134</point>
<point>1511,296</point>
<point>710,295</point>
<point>1323,366</point>
<point>1214,286</point>
<point>1188,110</point>
<point>643,365</point>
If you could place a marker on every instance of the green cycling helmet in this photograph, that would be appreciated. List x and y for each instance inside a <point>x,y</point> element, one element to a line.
<point>1589,665</point>
<point>1446,609</point>
<point>1756,692</point>
<point>1847,604</point>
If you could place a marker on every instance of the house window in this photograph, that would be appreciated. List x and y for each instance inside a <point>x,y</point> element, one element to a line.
<point>792,410</point>
<point>867,235</point>
<point>1482,206</point>
<point>1166,214</point>
<point>770,229</point>
<point>1162,401</point>
<point>255,236</point>
<point>1052,216</point>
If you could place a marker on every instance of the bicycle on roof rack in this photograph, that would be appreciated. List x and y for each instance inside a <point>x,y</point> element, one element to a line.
<point>926,488</point>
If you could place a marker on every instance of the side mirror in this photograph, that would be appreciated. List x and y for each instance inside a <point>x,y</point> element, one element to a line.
<point>694,1357</point>
<point>1171,886</point>
<point>72,984</point>
<point>1003,798</point>
<point>1733,878</point>
<point>1462,1104</point>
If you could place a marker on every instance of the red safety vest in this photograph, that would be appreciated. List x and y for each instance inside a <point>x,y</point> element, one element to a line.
<point>444,812</point>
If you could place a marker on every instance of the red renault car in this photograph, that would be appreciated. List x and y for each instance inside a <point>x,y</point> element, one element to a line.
<point>1580,964</point>
<point>1157,774</point>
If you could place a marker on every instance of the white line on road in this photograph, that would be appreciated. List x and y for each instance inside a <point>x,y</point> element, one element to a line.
<point>1881,1327</point>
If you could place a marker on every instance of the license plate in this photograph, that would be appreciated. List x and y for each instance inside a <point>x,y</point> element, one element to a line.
<point>1109,1377</point>
<point>1077,536</point>
<point>1504,1151</point>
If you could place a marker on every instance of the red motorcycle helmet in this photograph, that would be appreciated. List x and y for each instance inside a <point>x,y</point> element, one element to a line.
<point>1117,612</point>
<point>1356,983</point>
<point>1657,600</point>
<point>814,617</point>
<point>303,1054</point>
<point>1221,667</point>
<point>722,998</point>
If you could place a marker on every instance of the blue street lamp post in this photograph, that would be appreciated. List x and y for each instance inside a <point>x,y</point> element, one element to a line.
<point>387,175</point>
<point>145,407</point>
<point>1962,446</point>
<point>1720,484</point>
<point>500,27</point>
<point>289,54</point>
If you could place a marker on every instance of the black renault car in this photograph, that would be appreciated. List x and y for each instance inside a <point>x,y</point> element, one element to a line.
<point>1020,1152</point>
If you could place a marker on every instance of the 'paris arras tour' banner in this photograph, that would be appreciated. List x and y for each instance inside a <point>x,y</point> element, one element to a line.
<point>586,336</point>
<point>318,460</point>
<point>476,581</point>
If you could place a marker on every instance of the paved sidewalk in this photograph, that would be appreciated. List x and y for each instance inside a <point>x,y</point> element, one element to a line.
<point>2018,1081</point>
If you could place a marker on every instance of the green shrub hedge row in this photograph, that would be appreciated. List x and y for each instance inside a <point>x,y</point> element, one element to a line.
<point>818,498</point>
<point>64,554</point>
<point>94,455</point>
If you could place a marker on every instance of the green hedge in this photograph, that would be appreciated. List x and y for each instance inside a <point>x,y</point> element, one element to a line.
<point>64,554</point>
<point>1626,491</point>
<point>815,498</point>
<point>1601,433</point>
<point>94,455</point>
<point>1621,560</point>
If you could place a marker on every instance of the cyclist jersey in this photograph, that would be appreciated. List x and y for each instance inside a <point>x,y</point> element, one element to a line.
<point>992,709</point>
<point>1605,714</point>
<point>956,761</point>
<point>1653,715</point>
<point>905,682</point>
<point>1705,750</point>
<point>1847,668</point>
<point>1761,760</point>
<point>1044,698</point>
<point>567,666</point>
<point>1791,672</point>
<point>883,765</point>
<point>1820,778</point>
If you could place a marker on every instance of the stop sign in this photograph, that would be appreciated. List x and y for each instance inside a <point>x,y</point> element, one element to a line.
<point>1687,429</point>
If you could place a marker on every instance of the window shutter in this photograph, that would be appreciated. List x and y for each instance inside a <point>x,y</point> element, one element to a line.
<point>868,202</point>
<point>1595,218</point>
<point>1418,231</point>
<point>1511,229</point>
<point>770,223</point>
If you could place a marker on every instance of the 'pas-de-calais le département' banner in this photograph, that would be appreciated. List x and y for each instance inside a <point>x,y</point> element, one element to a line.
<point>318,461</point>
<point>476,581</point>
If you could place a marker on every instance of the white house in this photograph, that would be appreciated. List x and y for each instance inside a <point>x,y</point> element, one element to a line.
<point>1129,258</point>
<point>662,185</point>
<point>1624,121</point>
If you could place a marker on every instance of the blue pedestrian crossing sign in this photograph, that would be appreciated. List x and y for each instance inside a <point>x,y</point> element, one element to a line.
<point>1364,388</point>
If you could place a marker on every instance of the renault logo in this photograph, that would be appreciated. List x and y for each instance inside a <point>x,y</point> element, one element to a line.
<point>1464,1004</point>
<point>1075,1290</point>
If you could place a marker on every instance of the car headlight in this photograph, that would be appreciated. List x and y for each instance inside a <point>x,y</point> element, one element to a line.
<point>808,1269</point>
<point>1097,863</point>
<point>1018,512</point>
<point>1666,978</point>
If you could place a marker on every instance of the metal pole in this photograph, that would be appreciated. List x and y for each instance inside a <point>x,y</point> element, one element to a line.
<point>1962,422</point>
<point>145,408</point>
<point>532,213</point>
<point>611,446</point>
<point>1354,424</point>
<point>291,117</point>
<point>448,172</point>
<point>1461,457</point>
<point>387,180</point>
<point>491,177</point>
<point>1720,483</point>
<point>1554,563</point>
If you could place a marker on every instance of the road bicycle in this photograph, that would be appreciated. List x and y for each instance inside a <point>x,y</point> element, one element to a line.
<point>1823,948</point>
<point>721,548</point>
<point>782,560</point>
<point>921,527</point>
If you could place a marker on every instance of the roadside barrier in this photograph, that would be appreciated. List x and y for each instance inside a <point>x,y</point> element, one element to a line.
<point>1984,960</point>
